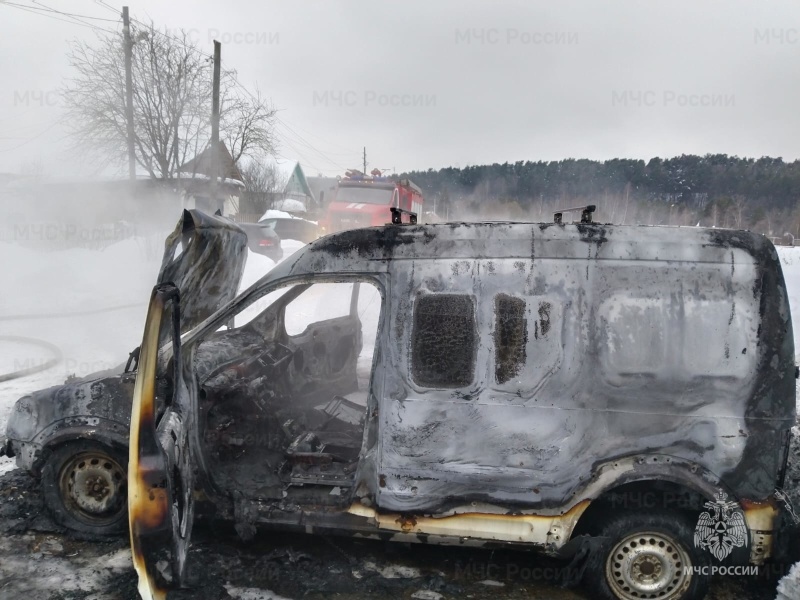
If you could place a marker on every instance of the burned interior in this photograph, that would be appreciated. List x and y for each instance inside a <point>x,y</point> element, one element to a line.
<point>283,394</point>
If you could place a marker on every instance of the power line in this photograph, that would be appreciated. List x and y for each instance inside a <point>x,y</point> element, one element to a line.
<point>48,13</point>
<point>308,145</point>
<point>178,40</point>
<point>77,18</point>
<point>348,151</point>
<point>37,136</point>
<point>298,138</point>
<point>108,7</point>
<point>73,14</point>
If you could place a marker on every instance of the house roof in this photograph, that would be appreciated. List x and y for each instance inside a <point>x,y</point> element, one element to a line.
<point>298,184</point>
<point>203,163</point>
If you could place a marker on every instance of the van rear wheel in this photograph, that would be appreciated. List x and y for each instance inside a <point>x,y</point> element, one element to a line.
<point>649,556</point>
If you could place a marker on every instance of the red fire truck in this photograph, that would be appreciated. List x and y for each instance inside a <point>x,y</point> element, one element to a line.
<point>365,200</point>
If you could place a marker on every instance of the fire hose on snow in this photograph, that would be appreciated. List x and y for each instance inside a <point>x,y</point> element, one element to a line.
<point>56,355</point>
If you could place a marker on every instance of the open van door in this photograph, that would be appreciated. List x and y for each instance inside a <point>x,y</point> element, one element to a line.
<point>204,258</point>
<point>160,463</point>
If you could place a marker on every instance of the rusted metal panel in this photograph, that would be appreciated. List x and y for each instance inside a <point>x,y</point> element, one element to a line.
<point>538,530</point>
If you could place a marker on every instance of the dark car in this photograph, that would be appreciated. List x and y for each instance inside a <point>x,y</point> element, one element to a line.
<point>75,436</point>
<point>263,239</point>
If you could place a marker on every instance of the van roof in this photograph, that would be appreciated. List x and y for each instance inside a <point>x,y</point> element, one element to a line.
<point>545,240</point>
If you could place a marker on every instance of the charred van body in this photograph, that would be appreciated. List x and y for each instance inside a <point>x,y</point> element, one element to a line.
<point>490,383</point>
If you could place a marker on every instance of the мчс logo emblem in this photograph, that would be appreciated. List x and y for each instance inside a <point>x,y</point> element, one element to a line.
<point>722,528</point>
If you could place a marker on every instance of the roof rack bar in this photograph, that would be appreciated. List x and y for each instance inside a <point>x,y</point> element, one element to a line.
<point>586,213</point>
<point>397,214</point>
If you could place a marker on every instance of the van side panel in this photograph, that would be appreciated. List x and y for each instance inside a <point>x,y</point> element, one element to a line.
<point>637,342</point>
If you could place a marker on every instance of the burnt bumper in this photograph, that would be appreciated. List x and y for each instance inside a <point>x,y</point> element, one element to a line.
<point>28,456</point>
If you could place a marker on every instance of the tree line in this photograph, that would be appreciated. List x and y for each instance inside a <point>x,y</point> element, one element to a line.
<point>715,190</point>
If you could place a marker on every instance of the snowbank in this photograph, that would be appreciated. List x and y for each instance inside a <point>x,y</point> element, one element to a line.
<point>290,247</point>
<point>62,281</point>
<point>277,214</point>
<point>255,268</point>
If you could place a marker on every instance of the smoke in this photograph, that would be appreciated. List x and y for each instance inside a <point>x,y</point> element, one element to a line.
<point>90,215</point>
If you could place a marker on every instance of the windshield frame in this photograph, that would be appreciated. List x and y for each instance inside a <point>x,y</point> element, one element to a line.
<point>263,287</point>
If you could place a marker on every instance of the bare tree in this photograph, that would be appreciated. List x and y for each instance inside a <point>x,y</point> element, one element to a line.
<point>247,125</point>
<point>263,183</point>
<point>172,82</point>
<point>738,207</point>
<point>261,177</point>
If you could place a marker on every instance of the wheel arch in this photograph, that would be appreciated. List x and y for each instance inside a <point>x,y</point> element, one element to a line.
<point>647,482</point>
<point>107,435</point>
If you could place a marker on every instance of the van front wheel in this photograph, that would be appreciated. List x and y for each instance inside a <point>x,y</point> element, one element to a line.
<point>649,556</point>
<point>84,484</point>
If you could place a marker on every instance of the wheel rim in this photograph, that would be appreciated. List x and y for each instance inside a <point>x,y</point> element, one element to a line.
<point>93,486</point>
<point>648,565</point>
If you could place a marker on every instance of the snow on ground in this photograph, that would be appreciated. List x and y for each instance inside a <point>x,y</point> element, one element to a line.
<point>789,586</point>
<point>290,247</point>
<point>52,569</point>
<point>790,262</point>
<point>255,268</point>
<point>251,593</point>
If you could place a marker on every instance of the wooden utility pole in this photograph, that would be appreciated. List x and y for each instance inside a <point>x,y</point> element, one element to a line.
<point>365,160</point>
<point>215,170</point>
<point>126,34</point>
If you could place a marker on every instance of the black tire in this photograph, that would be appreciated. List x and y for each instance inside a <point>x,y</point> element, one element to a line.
<point>644,556</point>
<point>85,488</point>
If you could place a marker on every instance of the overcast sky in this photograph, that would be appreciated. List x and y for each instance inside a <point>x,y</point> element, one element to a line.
<point>429,84</point>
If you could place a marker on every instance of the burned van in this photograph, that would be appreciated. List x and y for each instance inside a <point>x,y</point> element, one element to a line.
<point>619,393</point>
